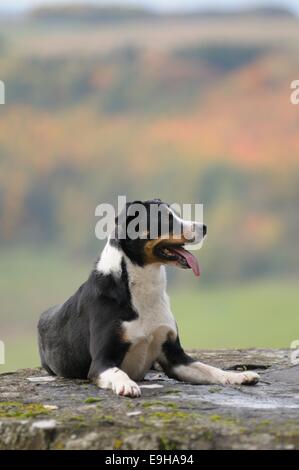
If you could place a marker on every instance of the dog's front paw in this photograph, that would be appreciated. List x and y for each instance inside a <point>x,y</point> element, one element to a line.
<point>127,389</point>
<point>119,382</point>
<point>240,378</point>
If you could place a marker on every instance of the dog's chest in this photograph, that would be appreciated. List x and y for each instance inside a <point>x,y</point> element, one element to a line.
<point>150,330</point>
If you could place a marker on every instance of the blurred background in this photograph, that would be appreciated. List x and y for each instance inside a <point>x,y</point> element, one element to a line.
<point>186,101</point>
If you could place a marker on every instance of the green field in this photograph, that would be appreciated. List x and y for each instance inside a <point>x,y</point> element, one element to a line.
<point>260,314</point>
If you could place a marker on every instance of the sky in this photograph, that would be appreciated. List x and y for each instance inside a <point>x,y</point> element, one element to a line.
<point>17,5</point>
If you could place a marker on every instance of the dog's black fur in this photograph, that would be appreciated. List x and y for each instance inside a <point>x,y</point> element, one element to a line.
<point>82,337</point>
<point>85,336</point>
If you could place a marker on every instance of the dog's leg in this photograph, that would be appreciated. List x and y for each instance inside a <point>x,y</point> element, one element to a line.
<point>177,364</point>
<point>118,381</point>
<point>199,373</point>
<point>108,350</point>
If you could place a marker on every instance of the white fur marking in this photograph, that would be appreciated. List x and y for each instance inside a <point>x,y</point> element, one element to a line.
<point>110,260</point>
<point>191,229</point>
<point>118,381</point>
<point>155,321</point>
<point>199,373</point>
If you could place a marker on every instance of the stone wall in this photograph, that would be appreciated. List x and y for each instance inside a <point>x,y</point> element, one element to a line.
<point>42,412</point>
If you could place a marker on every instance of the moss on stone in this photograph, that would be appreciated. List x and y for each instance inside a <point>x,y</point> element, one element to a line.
<point>215,418</point>
<point>165,404</point>
<point>207,435</point>
<point>223,420</point>
<point>76,418</point>
<point>117,444</point>
<point>215,390</point>
<point>107,419</point>
<point>170,415</point>
<point>11,409</point>
<point>167,444</point>
<point>59,445</point>
<point>265,422</point>
<point>90,400</point>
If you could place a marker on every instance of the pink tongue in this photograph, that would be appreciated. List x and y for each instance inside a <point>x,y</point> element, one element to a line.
<point>191,260</point>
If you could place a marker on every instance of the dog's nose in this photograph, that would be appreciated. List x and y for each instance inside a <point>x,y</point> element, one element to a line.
<point>204,230</point>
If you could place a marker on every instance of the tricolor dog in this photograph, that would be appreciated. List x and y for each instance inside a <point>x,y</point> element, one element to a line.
<point>119,322</point>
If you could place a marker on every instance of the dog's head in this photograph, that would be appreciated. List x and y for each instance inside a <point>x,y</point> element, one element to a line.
<point>151,232</point>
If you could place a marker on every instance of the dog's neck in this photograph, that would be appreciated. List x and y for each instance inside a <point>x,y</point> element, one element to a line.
<point>151,276</point>
<point>112,257</point>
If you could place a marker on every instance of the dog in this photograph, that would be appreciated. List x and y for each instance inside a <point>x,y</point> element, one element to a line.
<point>119,322</point>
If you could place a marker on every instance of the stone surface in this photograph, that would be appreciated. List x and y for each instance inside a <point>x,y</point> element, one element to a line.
<point>73,414</point>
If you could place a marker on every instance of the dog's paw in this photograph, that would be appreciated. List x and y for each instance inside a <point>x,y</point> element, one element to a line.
<point>240,378</point>
<point>250,378</point>
<point>119,382</point>
<point>127,389</point>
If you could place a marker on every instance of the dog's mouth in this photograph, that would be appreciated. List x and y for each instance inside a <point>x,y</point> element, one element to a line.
<point>179,255</point>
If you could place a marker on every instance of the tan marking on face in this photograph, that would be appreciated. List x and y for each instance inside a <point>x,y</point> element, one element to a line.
<point>150,246</point>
